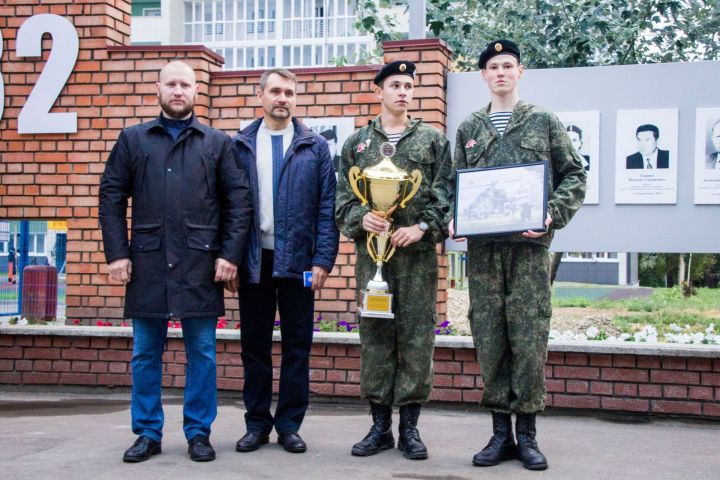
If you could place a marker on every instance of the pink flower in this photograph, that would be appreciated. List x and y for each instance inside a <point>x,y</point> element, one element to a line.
<point>123,324</point>
<point>99,323</point>
<point>361,147</point>
<point>471,143</point>
<point>76,322</point>
<point>221,323</point>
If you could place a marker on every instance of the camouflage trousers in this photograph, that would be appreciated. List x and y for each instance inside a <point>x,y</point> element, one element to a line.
<point>396,354</point>
<point>510,322</point>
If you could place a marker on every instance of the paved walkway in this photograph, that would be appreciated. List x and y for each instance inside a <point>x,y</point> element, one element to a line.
<point>72,436</point>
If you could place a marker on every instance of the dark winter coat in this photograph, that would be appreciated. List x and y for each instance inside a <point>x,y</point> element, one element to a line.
<point>190,205</point>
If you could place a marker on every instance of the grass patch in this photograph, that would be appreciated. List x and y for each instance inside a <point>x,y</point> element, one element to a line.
<point>666,306</point>
<point>696,321</point>
<point>572,302</point>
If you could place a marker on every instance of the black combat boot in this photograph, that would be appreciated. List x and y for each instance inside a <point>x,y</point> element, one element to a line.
<point>501,446</point>
<point>528,450</point>
<point>380,436</point>
<point>409,441</point>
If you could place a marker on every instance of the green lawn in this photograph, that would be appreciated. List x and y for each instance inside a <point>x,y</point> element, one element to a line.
<point>666,306</point>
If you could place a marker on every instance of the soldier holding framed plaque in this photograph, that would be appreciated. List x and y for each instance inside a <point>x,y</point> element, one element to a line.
<point>392,200</point>
<point>509,272</point>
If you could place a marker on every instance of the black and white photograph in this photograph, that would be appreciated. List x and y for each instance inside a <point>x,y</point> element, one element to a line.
<point>646,161</point>
<point>707,156</point>
<point>499,200</point>
<point>583,128</point>
<point>333,129</point>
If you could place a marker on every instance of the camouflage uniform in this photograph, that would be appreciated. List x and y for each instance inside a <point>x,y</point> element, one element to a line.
<point>509,274</point>
<point>397,353</point>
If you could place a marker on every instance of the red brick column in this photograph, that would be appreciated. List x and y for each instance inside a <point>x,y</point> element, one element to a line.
<point>432,58</point>
<point>55,176</point>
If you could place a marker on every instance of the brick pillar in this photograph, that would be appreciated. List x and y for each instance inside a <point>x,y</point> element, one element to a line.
<point>55,176</point>
<point>432,57</point>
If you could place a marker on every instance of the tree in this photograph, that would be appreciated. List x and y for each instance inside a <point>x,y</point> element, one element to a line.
<point>664,269</point>
<point>567,33</point>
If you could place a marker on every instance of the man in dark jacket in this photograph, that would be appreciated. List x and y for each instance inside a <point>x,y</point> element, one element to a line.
<point>190,216</point>
<point>292,235</point>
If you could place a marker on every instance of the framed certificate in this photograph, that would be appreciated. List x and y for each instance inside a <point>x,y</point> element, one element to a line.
<point>501,200</point>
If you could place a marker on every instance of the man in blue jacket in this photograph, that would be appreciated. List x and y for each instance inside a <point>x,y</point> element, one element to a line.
<point>292,182</point>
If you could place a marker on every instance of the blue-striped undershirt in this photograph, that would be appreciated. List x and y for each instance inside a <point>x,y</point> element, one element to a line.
<point>500,121</point>
<point>393,137</point>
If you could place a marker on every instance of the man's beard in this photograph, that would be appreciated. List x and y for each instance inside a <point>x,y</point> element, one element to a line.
<point>174,112</point>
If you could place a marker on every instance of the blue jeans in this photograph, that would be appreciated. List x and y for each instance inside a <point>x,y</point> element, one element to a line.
<point>200,403</point>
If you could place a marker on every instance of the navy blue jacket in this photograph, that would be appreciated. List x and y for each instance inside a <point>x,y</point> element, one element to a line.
<point>305,230</point>
<point>190,206</point>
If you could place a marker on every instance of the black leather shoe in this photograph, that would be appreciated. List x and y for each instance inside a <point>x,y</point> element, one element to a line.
<point>251,441</point>
<point>292,442</point>
<point>200,449</point>
<point>142,450</point>
<point>501,446</point>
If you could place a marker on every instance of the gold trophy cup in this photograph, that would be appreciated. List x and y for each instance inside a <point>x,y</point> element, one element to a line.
<point>385,188</point>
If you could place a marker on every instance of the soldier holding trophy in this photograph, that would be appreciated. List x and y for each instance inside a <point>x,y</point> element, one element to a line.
<point>392,200</point>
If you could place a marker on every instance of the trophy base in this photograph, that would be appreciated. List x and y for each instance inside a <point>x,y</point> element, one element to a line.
<point>376,305</point>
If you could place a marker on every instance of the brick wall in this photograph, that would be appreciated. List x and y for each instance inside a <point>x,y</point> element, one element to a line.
<point>656,384</point>
<point>56,176</point>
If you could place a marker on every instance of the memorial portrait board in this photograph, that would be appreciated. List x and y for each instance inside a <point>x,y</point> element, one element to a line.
<point>707,156</point>
<point>646,160</point>
<point>333,129</point>
<point>583,128</point>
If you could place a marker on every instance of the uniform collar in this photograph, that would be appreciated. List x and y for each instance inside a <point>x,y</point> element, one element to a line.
<point>518,115</point>
<point>410,126</point>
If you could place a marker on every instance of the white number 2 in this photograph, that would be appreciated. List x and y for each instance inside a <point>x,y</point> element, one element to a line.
<point>35,117</point>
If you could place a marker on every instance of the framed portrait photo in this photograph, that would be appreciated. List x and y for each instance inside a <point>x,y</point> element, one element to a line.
<point>501,200</point>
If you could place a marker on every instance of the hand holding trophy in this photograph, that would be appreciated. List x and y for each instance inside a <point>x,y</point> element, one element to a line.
<point>385,188</point>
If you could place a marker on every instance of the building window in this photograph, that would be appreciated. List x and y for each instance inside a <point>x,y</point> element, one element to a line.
<point>151,12</point>
<point>288,33</point>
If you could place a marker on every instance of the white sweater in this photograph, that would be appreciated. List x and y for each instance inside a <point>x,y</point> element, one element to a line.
<point>265,179</point>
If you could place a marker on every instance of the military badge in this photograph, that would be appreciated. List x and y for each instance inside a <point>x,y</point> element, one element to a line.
<point>387,149</point>
<point>498,47</point>
<point>402,67</point>
<point>471,143</point>
<point>360,147</point>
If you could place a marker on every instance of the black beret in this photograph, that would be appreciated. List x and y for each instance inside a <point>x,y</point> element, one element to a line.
<point>399,67</point>
<point>498,47</point>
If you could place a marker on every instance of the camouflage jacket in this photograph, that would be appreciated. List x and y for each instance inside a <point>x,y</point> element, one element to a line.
<point>532,135</point>
<point>421,147</point>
